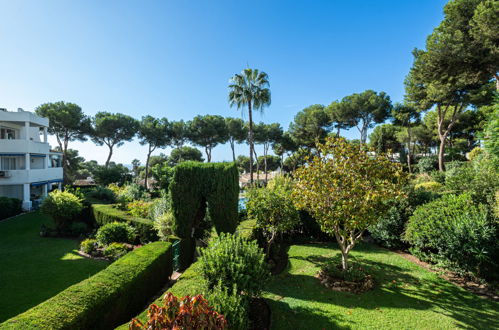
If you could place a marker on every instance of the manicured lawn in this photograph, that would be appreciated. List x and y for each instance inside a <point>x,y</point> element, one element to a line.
<point>406,296</point>
<point>32,268</point>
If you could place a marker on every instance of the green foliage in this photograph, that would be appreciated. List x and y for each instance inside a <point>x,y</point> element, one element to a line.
<point>139,209</point>
<point>109,213</point>
<point>232,305</point>
<point>208,131</point>
<point>427,164</point>
<point>63,207</point>
<point>491,133</point>
<point>115,232</point>
<point>195,184</point>
<point>310,125</point>
<point>384,138</point>
<point>106,299</point>
<point>102,194</point>
<point>9,207</point>
<point>164,224</point>
<point>78,228</point>
<point>430,186</point>
<point>237,132</point>
<point>388,231</point>
<point>129,193</point>
<point>162,173</point>
<point>113,173</point>
<point>115,250</point>
<point>454,231</point>
<point>184,154</point>
<point>236,263</point>
<point>88,245</point>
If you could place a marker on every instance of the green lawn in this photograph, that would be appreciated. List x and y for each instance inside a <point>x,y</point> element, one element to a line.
<point>32,268</point>
<point>406,296</point>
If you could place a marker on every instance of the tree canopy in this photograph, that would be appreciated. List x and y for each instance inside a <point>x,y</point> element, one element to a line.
<point>310,125</point>
<point>208,131</point>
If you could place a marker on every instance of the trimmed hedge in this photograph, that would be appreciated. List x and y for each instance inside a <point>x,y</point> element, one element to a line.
<point>108,298</point>
<point>194,185</point>
<point>10,207</point>
<point>108,213</point>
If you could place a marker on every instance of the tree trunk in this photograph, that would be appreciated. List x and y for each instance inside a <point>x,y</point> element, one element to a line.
<point>441,152</point>
<point>65,163</point>
<point>147,168</point>
<point>338,132</point>
<point>109,156</point>
<point>409,149</point>
<point>257,168</point>
<point>250,141</point>
<point>208,153</point>
<point>344,260</point>
<point>265,151</point>
<point>233,152</point>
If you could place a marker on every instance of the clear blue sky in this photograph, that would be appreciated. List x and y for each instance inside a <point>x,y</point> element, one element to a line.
<point>174,58</point>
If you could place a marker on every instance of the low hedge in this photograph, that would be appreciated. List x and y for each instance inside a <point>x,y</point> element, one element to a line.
<point>108,298</point>
<point>108,213</point>
<point>10,207</point>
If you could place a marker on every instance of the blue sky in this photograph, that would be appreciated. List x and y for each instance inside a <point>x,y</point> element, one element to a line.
<point>174,58</point>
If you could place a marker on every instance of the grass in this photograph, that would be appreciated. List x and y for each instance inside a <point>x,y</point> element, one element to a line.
<point>35,268</point>
<point>406,296</point>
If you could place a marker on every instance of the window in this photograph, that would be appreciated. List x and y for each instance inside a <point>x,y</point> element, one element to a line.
<point>7,133</point>
<point>8,163</point>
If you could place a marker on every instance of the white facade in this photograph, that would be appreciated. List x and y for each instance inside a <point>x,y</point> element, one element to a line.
<point>28,169</point>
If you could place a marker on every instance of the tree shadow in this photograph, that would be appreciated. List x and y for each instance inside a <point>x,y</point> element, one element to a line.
<point>395,288</point>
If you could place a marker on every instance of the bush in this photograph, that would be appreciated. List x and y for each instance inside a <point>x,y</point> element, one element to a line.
<point>63,207</point>
<point>115,232</point>
<point>88,246</point>
<point>102,194</point>
<point>139,208</point>
<point>389,229</point>
<point>235,262</point>
<point>429,186</point>
<point>454,232</point>
<point>10,207</point>
<point>164,224</point>
<point>160,206</point>
<point>438,176</point>
<point>78,228</point>
<point>108,213</point>
<point>186,313</point>
<point>477,151</point>
<point>233,306</point>
<point>130,193</point>
<point>427,164</point>
<point>115,251</point>
<point>107,299</point>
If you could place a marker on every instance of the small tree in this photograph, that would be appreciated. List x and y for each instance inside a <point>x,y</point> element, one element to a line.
<point>62,206</point>
<point>346,190</point>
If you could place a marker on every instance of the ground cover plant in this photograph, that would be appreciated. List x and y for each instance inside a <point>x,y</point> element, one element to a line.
<point>35,268</point>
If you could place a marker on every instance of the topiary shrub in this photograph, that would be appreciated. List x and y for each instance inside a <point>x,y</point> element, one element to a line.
<point>453,231</point>
<point>63,207</point>
<point>115,232</point>
<point>10,207</point>
<point>236,263</point>
<point>115,251</point>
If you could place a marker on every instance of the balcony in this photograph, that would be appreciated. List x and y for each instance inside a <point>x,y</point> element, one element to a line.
<point>24,146</point>
<point>30,176</point>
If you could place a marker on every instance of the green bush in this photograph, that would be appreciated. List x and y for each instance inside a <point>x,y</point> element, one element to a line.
<point>453,231</point>
<point>9,207</point>
<point>115,232</point>
<point>231,304</point>
<point>164,224</point>
<point>388,231</point>
<point>131,192</point>
<point>107,299</point>
<point>235,262</point>
<point>102,194</point>
<point>427,164</point>
<point>115,251</point>
<point>88,245</point>
<point>78,228</point>
<point>108,213</point>
<point>438,176</point>
<point>63,207</point>
<point>429,186</point>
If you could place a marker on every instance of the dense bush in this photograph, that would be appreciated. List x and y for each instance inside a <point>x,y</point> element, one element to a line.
<point>107,299</point>
<point>63,207</point>
<point>78,228</point>
<point>9,207</point>
<point>389,229</point>
<point>88,245</point>
<point>427,164</point>
<point>115,251</point>
<point>129,193</point>
<point>160,206</point>
<point>139,208</point>
<point>429,186</point>
<point>453,231</point>
<point>164,224</point>
<point>102,194</point>
<point>186,313</point>
<point>235,262</point>
<point>115,232</point>
<point>232,305</point>
<point>108,213</point>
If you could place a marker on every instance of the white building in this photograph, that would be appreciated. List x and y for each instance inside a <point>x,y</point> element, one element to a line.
<point>28,169</point>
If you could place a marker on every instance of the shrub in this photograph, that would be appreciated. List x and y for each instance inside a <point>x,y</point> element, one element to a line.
<point>186,313</point>
<point>108,298</point>
<point>139,208</point>
<point>427,164</point>
<point>452,231</point>
<point>88,246</point>
<point>160,206</point>
<point>115,232</point>
<point>130,193</point>
<point>235,262</point>
<point>477,151</point>
<point>164,224</point>
<point>115,250</point>
<point>231,304</point>
<point>429,186</point>
<point>102,194</point>
<point>78,228</point>
<point>63,207</point>
<point>108,213</point>
<point>438,176</point>
<point>9,207</point>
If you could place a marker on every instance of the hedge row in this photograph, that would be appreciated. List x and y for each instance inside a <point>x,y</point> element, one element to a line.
<point>106,299</point>
<point>107,213</point>
<point>10,207</point>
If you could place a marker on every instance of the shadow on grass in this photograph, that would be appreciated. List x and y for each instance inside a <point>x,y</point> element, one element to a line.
<point>395,288</point>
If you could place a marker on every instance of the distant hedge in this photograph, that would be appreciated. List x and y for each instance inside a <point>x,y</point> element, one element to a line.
<point>194,184</point>
<point>108,213</point>
<point>107,299</point>
<point>9,207</point>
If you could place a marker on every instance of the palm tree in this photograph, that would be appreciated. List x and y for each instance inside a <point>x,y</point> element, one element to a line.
<point>251,88</point>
